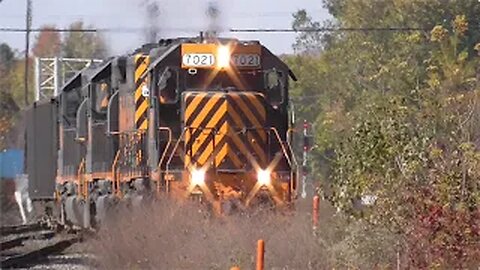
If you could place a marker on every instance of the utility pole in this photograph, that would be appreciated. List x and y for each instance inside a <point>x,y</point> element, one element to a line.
<point>28,22</point>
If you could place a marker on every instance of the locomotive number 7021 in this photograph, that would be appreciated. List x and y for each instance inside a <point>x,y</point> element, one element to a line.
<point>198,60</point>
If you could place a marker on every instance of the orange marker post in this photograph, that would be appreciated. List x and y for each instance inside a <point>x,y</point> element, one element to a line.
<point>316,206</point>
<point>260,254</point>
<point>235,268</point>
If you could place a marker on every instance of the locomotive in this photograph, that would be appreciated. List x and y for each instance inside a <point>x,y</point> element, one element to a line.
<point>188,118</point>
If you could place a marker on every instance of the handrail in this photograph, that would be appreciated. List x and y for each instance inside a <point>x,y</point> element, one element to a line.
<point>175,148</point>
<point>277,136</point>
<point>110,102</point>
<point>128,131</point>
<point>283,146</point>
<point>168,144</point>
<point>294,159</point>
<point>115,184</point>
<point>79,177</point>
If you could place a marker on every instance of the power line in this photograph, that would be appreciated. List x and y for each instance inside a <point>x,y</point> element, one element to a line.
<point>327,29</point>
<point>232,30</point>
<point>28,23</point>
<point>22,30</point>
<point>92,30</point>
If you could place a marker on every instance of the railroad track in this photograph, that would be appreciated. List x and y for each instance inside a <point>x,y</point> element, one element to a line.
<point>24,228</point>
<point>32,244</point>
<point>18,241</point>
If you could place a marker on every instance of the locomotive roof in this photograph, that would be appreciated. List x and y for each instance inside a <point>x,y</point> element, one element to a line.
<point>173,44</point>
<point>163,49</point>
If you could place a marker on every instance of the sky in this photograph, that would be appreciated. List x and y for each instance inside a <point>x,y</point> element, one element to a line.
<point>177,18</point>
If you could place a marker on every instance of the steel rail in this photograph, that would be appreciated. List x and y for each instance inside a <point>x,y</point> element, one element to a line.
<point>18,241</point>
<point>16,229</point>
<point>38,255</point>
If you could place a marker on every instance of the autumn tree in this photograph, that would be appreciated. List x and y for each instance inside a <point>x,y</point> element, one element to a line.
<point>47,43</point>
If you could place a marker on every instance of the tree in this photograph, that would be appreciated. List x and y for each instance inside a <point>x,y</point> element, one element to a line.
<point>7,61</point>
<point>8,105</point>
<point>307,42</point>
<point>78,44</point>
<point>48,42</point>
<point>399,111</point>
<point>7,58</point>
<point>420,161</point>
<point>352,68</point>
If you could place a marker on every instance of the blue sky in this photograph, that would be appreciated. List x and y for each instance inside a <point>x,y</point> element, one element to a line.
<point>178,18</point>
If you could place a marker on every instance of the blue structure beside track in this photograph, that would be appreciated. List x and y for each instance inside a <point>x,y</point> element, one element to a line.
<point>11,163</point>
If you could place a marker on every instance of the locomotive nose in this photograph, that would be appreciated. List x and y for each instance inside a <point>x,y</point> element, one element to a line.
<point>225,131</point>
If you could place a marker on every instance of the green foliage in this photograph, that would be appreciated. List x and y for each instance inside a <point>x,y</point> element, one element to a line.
<point>306,41</point>
<point>12,70</point>
<point>399,111</point>
<point>418,157</point>
<point>83,44</point>
<point>8,106</point>
<point>7,58</point>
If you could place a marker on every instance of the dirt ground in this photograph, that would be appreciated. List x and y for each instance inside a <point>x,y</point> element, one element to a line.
<point>168,235</point>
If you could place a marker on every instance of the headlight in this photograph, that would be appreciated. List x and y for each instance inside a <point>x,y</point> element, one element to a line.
<point>223,57</point>
<point>263,177</point>
<point>197,177</point>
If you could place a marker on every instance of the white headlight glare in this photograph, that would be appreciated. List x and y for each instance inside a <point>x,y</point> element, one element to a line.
<point>223,57</point>
<point>197,177</point>
<point>263,177</point>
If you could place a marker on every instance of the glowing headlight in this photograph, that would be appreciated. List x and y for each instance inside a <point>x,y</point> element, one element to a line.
<point>223,57</point>
<point>197,177</point>
<point>263,177</point>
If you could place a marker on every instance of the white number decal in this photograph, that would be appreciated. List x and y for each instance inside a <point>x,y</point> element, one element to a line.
<point>246,60</point>
<point>198,60</point>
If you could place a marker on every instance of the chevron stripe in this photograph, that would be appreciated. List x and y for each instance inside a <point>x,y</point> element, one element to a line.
<point>215,122</point>
<point>205,155</point>
<point>225,113</point>
<point>141,102</point>
<point>141,110</point>
<point>227,151</point>
<point>192,105</point>
<point>242,120</point>
<point>212,101</point>
<point>257,104</point>
<point>202,119</point>
<point>250,116</point>
<point>260,152</point>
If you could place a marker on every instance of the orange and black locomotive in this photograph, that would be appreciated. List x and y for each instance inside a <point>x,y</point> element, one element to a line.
<point>187,118</point>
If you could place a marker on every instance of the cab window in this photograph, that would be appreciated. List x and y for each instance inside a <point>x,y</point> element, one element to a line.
<point>70,102</point>
<point>167,85</point>
<point>275,86</point>
<point>101,95</point>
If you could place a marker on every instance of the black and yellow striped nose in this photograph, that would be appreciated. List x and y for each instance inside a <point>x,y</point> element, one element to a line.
<point>224,128</point>
<point>141,99</point>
